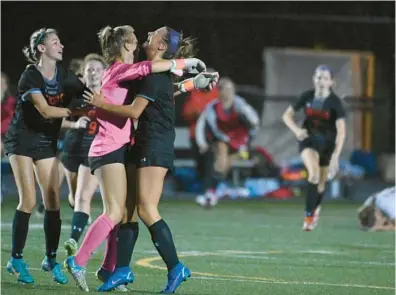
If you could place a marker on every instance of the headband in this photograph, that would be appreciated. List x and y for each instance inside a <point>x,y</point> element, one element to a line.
<point>39,38</point>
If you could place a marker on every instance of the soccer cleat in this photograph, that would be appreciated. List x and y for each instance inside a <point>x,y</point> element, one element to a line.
<point>103,275</point>
<point>176,276</point>
<point>308,223</point>
<point>120,277</point>
<point>316,217</point>
<point>208,200</point>
<point>78,273</point>
<point>19,268</point>
<point>55,268</point>
<point>71,247</point>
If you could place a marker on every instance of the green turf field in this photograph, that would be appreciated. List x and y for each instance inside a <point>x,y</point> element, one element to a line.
<point>237,249</point>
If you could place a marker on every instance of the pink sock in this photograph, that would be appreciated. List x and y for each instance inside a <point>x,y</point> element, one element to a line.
<point>110,259</point>
<point>97,232</point>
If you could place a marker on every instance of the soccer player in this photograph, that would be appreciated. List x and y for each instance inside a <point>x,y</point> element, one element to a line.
<point>230,122</point>
<point>153,152</point>
<point>45,89</point>
<point>108,149</point>
<point>192,109</point>
<point>378,212</point>
<point>321,138</point>
<point>82,184</point>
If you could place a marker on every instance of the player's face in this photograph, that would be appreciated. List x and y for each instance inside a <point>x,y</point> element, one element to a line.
<point>227,92</point>
<point>93,73</point>
<point>322,80</point>
<point>155,42</point>
<point>52,47</point>
<point>132,42</point>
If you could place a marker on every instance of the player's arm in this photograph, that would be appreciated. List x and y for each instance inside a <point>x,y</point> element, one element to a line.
<point>126,72</point>
<point>46,110</point>
<point>132,111</point>
<point>200,137</point>
<point>212,122</point>
<point>247,113</point>
<point>341,130</point>
<point>29,86</point>
<point>146,94</point>
<point>288,115</point>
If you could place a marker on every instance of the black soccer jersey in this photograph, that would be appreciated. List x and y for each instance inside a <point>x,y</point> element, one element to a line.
<point>78,141</point>
<point>155,129</point>
<point>321,114</point>
<point>29,131</point>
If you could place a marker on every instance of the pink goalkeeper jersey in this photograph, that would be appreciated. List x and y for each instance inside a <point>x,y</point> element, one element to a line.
<point>115,131</point>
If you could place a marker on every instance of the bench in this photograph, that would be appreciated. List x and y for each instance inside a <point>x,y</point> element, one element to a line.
<point>237,166</point>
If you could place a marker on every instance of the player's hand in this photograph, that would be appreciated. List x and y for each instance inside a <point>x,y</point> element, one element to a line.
<point>94,98</point>
<point>82,122</point>
<point>188,65</point>
<point>202,81</point>
<point>333,168</point>
<point>301,134</point>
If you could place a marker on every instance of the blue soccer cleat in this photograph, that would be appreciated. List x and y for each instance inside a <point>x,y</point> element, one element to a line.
<point>176,276</point>
<point>19,268</point>
<point>119,278</point>
<point>50,265</point>
<point>78,272</point>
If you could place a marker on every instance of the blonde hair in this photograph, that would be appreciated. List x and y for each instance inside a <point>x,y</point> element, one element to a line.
<point>38,37</point>
<point>113,39</point>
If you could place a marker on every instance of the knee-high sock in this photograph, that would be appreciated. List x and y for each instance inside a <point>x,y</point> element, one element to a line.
<point>96,234</point>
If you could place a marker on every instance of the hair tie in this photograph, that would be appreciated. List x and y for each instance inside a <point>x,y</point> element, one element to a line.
<point>39,38</point>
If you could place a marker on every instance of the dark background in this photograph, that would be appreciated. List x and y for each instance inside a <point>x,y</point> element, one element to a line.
<point>231,35</point>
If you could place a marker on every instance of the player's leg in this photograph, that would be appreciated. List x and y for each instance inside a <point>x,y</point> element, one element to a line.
<point>310,158</point>
<point>118,258</point>
<point>86,187</point>
<point>151,180</point>
<point>221,166</point>
<point>112,183</point>
<point>70,169</point>
<point>22,168</point>
<point>321,188</point>
<point>47,175</point>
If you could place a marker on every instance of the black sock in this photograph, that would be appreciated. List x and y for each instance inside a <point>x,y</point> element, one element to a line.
<point>319,199</point>
<point>41,208</point>
<point>310,200</point>
<point>79,221</point>
<point>126,240</point>
<point>20,227</point>
<point>52,230</point>
<point>163,242</point>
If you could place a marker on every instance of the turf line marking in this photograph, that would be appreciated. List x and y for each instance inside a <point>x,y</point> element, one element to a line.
<point>33,225</point>
<point>147,262</point>
<point>297,283</point>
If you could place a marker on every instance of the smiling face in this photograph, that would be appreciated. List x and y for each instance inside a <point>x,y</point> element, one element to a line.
<point>51,47</point>
<point>155,43</point>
